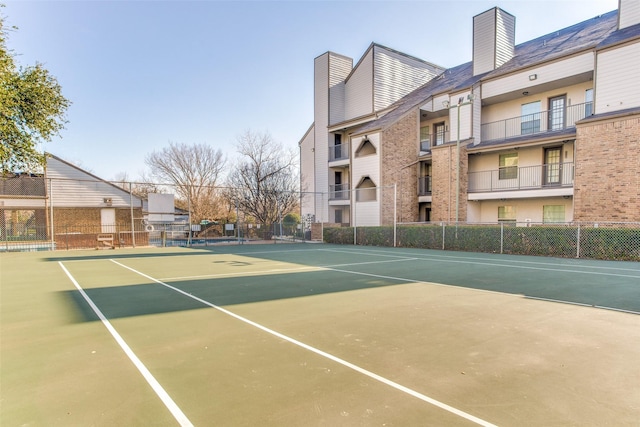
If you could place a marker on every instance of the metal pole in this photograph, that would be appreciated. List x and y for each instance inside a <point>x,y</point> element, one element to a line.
<point>189,207</point>
<point>355,197</point>
<point>458,170</point>
<point>133,228</point>
<point>237,221</point>
<point>395,221</point>
<point>53,239</point>
<point>279,216</point>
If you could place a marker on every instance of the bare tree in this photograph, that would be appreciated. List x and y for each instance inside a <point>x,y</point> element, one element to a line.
<point>194,170</point>
<point>264,181</point>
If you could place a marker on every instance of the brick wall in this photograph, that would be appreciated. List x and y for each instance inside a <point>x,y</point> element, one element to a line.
<point>317,228</point>
<point>443,196</point>
<point>78,228</point>
<point>400,145</point>
<point>72,220</point>
<point>607,170</point>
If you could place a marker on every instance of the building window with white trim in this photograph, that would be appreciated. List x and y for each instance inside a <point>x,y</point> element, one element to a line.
<point>507,214</point>
<point>508,166</point>
<point>553,214</point>
<point>530,118</point>
<point>588,102</point>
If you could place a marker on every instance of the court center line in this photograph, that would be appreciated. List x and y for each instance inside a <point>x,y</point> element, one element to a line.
<point>280,270</point>
<point>155,385</point>
<point>319,352</point>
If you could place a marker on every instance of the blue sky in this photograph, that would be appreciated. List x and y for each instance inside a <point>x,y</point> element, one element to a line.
<point>141,74</point>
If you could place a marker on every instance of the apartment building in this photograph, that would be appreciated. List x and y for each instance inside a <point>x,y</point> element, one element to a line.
<point>544,131</point>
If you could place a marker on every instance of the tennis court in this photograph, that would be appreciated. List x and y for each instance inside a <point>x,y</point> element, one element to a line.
<point>317,335</point>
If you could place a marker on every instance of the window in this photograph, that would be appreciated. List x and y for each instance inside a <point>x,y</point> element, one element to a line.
<point>439,132</point>
<point>553,214</point>
<point>506,214</point>
<point>588,102</point>
<point>425,139</point>
<point>552,165</point>
<point>508,166</point>
<point>556,112</point>
<point>424,179</point>
<point>424,133</point>
<point>337,147</point>
<point>530,118</point>
<point>338,216</point>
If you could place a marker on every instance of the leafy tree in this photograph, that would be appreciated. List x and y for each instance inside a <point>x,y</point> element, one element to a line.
<point>292,218</point>
<point>194,170</point>
<point>32,110</point>
<point>265,178</point>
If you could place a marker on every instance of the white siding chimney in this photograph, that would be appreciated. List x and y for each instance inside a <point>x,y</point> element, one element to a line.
<point>494,38</point>
<point>330,71</point>
<point>628,13</point>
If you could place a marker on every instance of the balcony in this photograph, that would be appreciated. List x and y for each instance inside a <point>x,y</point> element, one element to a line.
<point>522,178</point>
<point>338,152</point>
<point>538,123</point>
<point>424,186</point>
<point>339,192</point>
<point>431,140</point>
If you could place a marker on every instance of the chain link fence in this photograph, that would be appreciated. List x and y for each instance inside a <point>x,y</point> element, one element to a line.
<point>38,213</point>
<point>601,240</point>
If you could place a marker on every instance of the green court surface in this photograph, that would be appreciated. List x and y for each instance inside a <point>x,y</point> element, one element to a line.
<point>317,335</point>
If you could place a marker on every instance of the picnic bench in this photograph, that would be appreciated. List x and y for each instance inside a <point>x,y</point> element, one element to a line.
<point>104,241</point>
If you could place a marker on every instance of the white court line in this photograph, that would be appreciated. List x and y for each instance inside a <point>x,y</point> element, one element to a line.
<point>401,254</point>
<point>155,385</point>
<point>324,354</point>
<point>246,273</point>
<point>583,304</point>
<point>279,270</point>
<point>494,264</point>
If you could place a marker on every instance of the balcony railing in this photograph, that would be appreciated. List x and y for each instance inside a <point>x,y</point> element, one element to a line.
<point>424,186</point>
<point>338,152</point>
<point>427,141</point>
<point>531,124</point>
<point>522,178</point>
<point>339,192</point>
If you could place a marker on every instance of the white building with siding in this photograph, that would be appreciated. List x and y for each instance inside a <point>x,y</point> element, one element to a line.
<point>518,132</point>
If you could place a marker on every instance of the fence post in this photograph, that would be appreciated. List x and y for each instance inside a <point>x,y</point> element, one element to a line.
<point>502,237</point>
<point>355,196</point>
<point>53,234</point>
<point>578,242</point>
<point>189,205</point>
<point>133,230</point>
<point>395,221</point>
<point>443,228</point>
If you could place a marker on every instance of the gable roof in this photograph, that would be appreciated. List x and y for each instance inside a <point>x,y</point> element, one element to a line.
<point>598,32</point>
<point>83,173</point>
